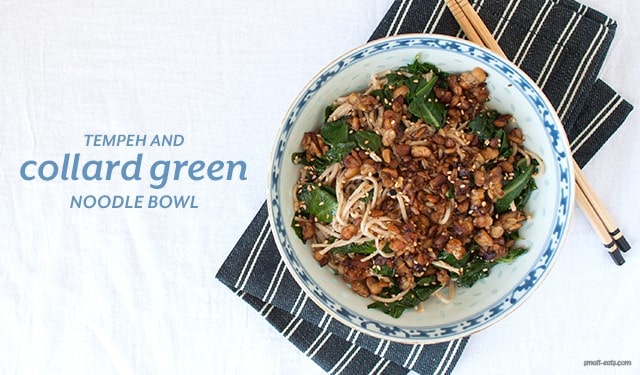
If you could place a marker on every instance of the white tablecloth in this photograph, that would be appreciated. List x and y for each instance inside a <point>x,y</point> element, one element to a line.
<point>129,290</point>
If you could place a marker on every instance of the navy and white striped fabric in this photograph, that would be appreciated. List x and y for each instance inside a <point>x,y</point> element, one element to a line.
<point>562,52</point>
<point>256,272</point>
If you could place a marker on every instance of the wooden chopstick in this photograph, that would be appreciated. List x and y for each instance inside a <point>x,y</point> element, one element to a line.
<point>601,231</point>
<point>609,233</point>
<point>600,210</point>
<point>465,22</point>
<point>479,27</point>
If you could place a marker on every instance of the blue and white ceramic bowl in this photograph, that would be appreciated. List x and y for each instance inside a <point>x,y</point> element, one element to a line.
<point>508,286</point>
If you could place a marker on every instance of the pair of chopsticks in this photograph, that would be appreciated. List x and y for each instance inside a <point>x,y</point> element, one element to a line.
<point>609,234</point>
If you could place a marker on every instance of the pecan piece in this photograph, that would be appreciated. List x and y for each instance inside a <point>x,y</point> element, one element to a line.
<point>313,145</point>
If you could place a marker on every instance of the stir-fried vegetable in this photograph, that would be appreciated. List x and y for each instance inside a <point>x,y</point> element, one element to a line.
<point>403,232</point>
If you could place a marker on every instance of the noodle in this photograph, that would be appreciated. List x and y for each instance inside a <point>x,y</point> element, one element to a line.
<point>452,293</point>
<point>391,299</point>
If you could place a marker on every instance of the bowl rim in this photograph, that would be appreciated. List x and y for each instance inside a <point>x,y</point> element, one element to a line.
<point>561,136</point>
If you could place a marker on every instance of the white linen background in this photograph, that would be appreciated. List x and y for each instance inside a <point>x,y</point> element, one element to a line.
<point>133,291</point>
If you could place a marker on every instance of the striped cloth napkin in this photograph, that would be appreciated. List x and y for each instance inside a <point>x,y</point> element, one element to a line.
<point>562,52</point>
